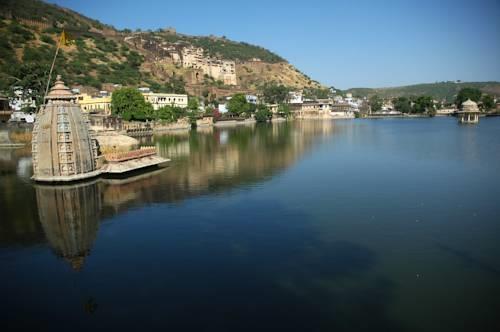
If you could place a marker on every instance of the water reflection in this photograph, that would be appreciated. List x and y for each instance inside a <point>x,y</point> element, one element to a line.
<point>217,158</point>
<point>70,219</point>
<point>204,161</point>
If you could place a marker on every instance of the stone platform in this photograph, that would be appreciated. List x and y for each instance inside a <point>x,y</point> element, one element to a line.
<point>131,165</point>
<point>118,164</point>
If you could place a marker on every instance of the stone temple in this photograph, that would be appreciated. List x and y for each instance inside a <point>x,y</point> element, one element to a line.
<point>469,112</point>
<point>63,148</point>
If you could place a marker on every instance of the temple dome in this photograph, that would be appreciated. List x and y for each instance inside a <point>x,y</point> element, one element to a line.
<point>60,91</point>
<point>63,148</point>
<point>469,106</point>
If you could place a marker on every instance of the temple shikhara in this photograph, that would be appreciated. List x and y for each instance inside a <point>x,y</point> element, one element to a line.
<point>64,148</point>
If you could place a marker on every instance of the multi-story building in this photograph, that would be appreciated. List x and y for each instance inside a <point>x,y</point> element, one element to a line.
<point>193,57</point>
<point>159,100</point>
<point>91,104</point>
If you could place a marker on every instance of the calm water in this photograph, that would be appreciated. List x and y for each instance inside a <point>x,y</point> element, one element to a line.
<point>377,225</point>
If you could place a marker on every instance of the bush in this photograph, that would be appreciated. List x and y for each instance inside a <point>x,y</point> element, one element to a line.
<point>47,39</point>
<point>19,34</point>
<point>263,114</point>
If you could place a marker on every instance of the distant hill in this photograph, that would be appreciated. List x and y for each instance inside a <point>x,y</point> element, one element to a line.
<point>102,54</point>
<point>439,91</point>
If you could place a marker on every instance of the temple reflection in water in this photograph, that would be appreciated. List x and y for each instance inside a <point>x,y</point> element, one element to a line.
<point>70,219</point>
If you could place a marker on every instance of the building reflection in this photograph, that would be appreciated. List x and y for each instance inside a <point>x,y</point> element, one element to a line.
<point>70,219</point>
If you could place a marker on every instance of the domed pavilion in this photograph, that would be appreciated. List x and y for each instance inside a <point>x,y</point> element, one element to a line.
<point>63,148</point>
<point>469,112</point>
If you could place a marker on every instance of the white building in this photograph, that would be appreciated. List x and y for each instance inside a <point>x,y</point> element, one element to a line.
<point>159,100</point>
<point>252,99</point>
<point>19,102</point>
<point>144,90</point>
<point>223,108</point>
<point>446,111</point>
<point>296,97</point>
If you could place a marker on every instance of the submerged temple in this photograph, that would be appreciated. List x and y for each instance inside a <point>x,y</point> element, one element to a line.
<point>63,148</point>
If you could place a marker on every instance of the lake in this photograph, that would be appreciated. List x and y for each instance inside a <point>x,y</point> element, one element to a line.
<point>376,225</point>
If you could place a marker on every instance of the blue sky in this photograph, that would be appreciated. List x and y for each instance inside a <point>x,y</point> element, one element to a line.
<point>341,43</point>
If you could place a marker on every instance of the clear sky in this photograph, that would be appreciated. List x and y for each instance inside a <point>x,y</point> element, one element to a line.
<point>342,43</point>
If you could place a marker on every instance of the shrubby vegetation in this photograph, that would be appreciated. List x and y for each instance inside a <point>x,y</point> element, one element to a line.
<point>488,102</point>
<point>225,48</point>
<point>263,114</point>
<point>36,10</point>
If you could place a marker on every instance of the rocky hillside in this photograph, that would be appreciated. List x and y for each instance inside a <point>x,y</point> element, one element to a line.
<point>439,91</point>
<point>99,54</point>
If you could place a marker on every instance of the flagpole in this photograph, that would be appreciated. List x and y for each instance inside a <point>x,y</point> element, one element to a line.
<point>52,66</point>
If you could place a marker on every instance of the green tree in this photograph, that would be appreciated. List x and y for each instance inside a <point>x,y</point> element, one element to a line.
<point>375,103</point>
<point>317,93</point>
<point>238,104</point>
<point>468,93</point>
<point>422,104</point>
<point>274,94</point>
<point>488,102</point>
<point>193,104</point>
<point>402,104</point>
<point>263,114</point>
<point>169,113</point>
<point>130,105</point>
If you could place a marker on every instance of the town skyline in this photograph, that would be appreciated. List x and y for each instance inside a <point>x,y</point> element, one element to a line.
<point>389,44</point>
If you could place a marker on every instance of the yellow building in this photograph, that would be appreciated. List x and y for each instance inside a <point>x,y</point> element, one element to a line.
<point>91,104</point>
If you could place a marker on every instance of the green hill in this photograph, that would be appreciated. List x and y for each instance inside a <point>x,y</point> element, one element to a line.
<point>441,90</point>
<point>101,54</point>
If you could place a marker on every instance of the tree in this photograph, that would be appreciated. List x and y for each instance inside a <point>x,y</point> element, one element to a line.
<point>488,102</point>
<point>238,104</point>
<point>263,114</point>
<point>31,77</point>
<point>274,94</point>
<point>422,104</point>
<point>375,103</point>
<point>169,113</point>
<point>468,93</point>
<point>193,104</point>
<point>130,105</point>
<point>317,93</point>
<point>402,104</point>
